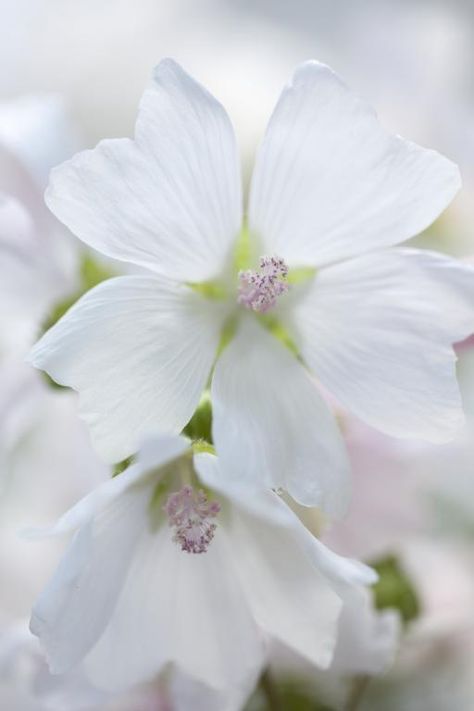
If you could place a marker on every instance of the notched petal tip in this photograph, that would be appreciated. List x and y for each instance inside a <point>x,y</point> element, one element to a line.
<point>165,66</point>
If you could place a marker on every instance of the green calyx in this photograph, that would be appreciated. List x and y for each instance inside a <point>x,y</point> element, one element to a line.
<point>245,250</point>
<point>278,330</point>
<point>202,447</point>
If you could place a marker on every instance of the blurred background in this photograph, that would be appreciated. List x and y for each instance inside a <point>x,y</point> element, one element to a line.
<point>72,73</point>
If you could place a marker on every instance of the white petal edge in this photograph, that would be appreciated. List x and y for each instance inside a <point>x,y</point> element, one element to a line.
<point>377,332</point>
<point>170,200</point>
<point>330,182</point>
<point>368,638</point>
<point>266,505</point>
<point>271,425</point>
<point>139,351</point>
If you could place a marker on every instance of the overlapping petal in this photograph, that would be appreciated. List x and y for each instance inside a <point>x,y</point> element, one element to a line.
<point>139,351</point>
<point>294,584</point>
<point>76,606</point>
<point>330,182</point>
<point>377,331</point>
<point>272,426</point>
<point>109,524</point>
<point>170,200</point>
<point>175,609</point>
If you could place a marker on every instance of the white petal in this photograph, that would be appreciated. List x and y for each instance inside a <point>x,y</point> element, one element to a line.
<point>329,182</point>
<point>295,584</point>
<point>377,331</point>
<point>139,351</point>
<point>179,609</point>
<point>74,609</point>
<point>170,200</point>
<point>266,505</point>
<point>291,600</point>
<point>271,425</point>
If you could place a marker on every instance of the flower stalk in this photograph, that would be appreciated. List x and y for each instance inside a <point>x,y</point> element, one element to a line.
<point>270,691</point>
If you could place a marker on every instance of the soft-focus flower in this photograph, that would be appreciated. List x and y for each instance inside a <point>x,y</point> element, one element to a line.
<point>37,259</point>
<point>329,192</point>
<point>46,463</point>
<point>175,564</point>
<point>27,685</point>
<point>414,501</point>
<point>387,504</point>
<point>46,460</point>
<point>38,130</point>
<point>408,490</point>
<point>32,277</point>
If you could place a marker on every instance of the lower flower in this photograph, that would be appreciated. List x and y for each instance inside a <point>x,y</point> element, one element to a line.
<point>176,566</point>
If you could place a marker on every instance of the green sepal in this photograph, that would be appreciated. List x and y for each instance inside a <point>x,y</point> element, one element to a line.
<point>214,290</point>
<point>121,466</point>
<point>199,427</point>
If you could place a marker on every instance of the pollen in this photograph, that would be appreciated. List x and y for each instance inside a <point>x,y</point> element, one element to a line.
<point>191,515</point>
<point>259,289</point>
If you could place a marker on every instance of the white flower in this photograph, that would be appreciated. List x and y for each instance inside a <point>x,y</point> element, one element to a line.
<point>330,192</point>
<point>196,575</point>
<point>31,278</point>
<point>46,463</point>
<point>37,130</point>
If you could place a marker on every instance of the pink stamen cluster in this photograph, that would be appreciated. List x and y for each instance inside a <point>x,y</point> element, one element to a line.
<point>259,289</point>
<point>190,514</point>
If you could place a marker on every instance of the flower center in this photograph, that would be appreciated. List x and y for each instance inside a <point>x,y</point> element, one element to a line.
<point>260,288</point>
<point>190,514</point>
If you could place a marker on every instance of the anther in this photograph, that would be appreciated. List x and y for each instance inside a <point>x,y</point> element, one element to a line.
<point>190,514</point>
<point>259,289</point>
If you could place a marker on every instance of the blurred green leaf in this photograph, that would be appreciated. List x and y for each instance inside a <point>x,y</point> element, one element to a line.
<point>394,589</point>
<point>91,273</point>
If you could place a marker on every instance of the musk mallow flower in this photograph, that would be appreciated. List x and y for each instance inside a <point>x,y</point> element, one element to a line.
<point>175,565</point>
<point>307,271</point>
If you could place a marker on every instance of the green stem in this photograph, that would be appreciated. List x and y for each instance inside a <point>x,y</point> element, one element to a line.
<point>270,692</point>
<point>357,691</point>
